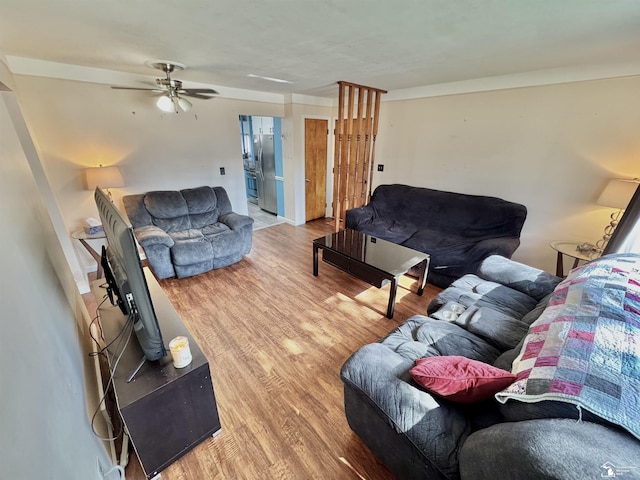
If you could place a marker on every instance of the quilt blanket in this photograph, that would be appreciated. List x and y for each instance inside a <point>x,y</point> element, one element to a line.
<point>585,347</point>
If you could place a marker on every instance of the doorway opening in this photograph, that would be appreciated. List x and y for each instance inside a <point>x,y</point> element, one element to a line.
<point>261,141</point>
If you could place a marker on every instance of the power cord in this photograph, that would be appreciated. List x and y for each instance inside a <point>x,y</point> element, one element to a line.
<point>125,334</point>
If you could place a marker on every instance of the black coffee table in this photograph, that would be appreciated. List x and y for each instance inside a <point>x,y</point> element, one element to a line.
<point>371,259</point>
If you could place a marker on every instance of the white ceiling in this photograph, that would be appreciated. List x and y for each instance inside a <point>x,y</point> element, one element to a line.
<point>385,44</point>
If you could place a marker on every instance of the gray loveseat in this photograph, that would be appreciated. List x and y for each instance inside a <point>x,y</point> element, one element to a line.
<point>533,432</point>
<point>190,231</point>
<point>457,230</point>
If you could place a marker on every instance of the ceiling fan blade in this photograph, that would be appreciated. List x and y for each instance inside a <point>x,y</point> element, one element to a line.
<point>137,88</point>
<point>200,90</point>
<point>195,95</point>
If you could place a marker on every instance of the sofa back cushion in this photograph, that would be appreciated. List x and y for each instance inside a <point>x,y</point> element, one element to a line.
<point>448,212</point>
<point>168,209</point>
<point>202,204</point>
<point>174,211</point>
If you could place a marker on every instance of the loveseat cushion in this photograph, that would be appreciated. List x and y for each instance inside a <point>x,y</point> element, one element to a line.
<point>202,204</point>
<point>168,209</point>
<point>191,251</point>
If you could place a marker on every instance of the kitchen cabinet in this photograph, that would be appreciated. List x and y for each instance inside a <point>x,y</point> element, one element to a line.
<point>262,125</point>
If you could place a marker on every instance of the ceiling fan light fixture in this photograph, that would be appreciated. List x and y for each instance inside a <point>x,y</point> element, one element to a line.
<point>165,104</point>
<point>184,104</point>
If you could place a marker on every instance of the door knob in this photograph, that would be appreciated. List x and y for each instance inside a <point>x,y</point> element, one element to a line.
<point>307,180</point>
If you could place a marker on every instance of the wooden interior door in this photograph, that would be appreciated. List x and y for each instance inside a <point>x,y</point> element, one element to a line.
<point>316,135</point>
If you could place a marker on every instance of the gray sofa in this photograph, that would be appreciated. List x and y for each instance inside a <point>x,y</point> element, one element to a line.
<point>190,231</point>
<point>457,230</point>
<point>531,433</point>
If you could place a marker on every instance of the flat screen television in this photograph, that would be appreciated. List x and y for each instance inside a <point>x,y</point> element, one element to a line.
<point>125,277</point>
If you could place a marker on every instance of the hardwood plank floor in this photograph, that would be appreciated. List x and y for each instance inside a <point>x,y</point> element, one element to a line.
<point>276,337</point>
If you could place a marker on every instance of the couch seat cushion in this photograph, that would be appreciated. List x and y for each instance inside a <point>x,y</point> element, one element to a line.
<point>214,229</point>
<point>190,247</point>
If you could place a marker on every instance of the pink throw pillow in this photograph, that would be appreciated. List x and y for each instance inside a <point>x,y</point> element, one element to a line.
<point>460,379</point>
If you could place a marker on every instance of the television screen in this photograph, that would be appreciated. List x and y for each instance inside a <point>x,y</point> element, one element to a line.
<point>125,277</point>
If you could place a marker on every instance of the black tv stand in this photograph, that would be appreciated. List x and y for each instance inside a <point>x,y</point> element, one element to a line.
<point>167,411</point>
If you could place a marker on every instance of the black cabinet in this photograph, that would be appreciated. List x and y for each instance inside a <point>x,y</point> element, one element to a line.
<point>167,411</point>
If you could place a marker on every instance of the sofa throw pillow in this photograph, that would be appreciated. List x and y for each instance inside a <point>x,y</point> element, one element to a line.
<point>460,379</point>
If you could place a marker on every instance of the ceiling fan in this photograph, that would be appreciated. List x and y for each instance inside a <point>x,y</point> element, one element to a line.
<point>172,99</point>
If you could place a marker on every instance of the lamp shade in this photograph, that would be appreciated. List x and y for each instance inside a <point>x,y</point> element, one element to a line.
<point>103,177</point>
<point>618,193</point>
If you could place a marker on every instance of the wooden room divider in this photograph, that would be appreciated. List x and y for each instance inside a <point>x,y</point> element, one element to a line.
<point>356,131</point>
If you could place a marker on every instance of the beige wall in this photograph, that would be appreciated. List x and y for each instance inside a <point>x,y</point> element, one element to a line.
<point>551,148</point>
<point>48,385</point>
<point>79,124</point>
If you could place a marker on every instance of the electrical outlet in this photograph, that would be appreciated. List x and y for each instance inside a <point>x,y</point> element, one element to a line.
<point>380,167</point>
<point>221,170</point>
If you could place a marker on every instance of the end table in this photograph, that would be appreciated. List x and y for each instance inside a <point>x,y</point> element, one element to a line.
<point>83,236</point>
<point>570,249</point>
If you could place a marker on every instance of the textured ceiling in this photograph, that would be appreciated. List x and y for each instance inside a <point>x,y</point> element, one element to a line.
<point>314,43</point>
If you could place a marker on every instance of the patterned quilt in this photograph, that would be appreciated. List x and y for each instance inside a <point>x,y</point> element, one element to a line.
<point>585,347</point>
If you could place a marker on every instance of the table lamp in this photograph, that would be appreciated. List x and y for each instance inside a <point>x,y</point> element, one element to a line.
<point>103,177</point>
<point>617,194</point>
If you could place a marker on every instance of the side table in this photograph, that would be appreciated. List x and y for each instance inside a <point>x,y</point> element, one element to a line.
<point>570,249</point>
<point>83,236</point>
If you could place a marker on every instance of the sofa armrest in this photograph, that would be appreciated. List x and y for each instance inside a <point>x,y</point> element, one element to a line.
<point>358,216</point>
<point>377,378</point>
<point>504,246</point>
<point>533,281</point>
<point>235,221</point>
<point>547,448</point>
<point>152,235</point>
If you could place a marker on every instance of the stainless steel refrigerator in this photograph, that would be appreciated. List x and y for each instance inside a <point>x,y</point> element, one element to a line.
<point>263,150</point>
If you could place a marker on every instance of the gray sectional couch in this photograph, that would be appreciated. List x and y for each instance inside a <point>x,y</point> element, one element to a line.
<point>528,430</point>
<point>190,231</point>
<point>457,230</point>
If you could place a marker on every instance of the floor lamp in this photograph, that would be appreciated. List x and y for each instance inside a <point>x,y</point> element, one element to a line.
<point>616,194</point>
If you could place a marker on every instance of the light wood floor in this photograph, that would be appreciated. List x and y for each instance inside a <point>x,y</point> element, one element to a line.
<point>276,337</point>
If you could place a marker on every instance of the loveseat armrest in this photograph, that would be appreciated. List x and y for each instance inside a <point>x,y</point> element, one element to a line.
<point>152,235</point>
<point>530,280</point>
<point>235,221</point>
<point>548,448</point>
<point>358,216</point>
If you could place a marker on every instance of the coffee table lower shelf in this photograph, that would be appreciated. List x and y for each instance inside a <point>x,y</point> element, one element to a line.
<point>368,273</point>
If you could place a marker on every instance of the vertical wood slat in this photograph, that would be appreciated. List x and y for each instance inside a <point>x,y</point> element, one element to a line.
<point>373,141</point>
<point>354,148</point>
<point>344,191</point>
<point>358,151</point>
<point>367,160</point>
<point>338,133</point>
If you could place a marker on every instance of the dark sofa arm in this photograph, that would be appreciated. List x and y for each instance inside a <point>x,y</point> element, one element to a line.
<point>235,221</point>
<point>152,235</point>
<point>504,246</point>
<point>358,216</point>
<point>548,449</point>
<point>534,282</point>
